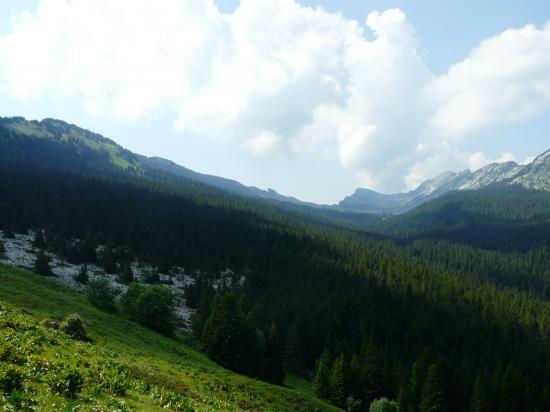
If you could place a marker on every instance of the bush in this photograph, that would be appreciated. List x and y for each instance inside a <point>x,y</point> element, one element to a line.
<point>155,309</point>
<point>66,381</point>
<point>11,379</point>
<point>383,405</point>
<point>72,326</point>
<point>2,250</point>
<point>101,295</point>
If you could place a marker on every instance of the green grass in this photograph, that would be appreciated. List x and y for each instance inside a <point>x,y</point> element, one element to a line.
<point>125,367</point>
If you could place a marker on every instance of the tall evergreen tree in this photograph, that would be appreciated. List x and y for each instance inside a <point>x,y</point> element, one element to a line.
<point>321,382</point>
<point>293,356</point>
<point>228,338</point>
<point>38,241</point>
<point>339,380</point>
<point>42,264</point>
<point>273,356</point>
<point>433,398</point>
<point>82,275</point>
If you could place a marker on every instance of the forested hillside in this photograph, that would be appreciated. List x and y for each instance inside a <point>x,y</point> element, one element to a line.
<point>446,308</point>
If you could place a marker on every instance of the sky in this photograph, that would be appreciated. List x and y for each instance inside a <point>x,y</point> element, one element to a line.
<point>312,98</point>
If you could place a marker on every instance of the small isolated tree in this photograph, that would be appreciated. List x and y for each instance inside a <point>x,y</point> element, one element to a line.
<point>126,276</point>
<point>383,405</point>
<point>2,250</point>
<point>101,295</point>
<point>38,241</point>
<point>82,275</point>
<point>154,309</point>
<point>42,264</point>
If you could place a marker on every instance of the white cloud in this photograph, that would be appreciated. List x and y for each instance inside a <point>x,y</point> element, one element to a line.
<point>275,76</point>
<point>263,143</point>
<point>505,79</point>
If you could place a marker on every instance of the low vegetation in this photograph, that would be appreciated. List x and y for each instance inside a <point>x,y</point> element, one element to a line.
<point>46,363</point>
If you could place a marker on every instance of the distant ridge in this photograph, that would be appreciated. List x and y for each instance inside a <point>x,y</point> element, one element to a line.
<point>535,175</point>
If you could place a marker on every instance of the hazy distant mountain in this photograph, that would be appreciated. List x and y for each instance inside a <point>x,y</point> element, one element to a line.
<point>535,175</point>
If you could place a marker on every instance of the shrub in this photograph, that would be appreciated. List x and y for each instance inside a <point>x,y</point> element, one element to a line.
<point>11,379</point>
<point>155,309</point>
<point>152,277</point>
<point>101,295</point>
<point>383,405</point>
<point>66,381</point>
<point>72,326</point>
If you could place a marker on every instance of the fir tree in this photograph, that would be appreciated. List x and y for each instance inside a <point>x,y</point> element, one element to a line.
<point>321,382</point>
<point>82,275</point>
<point>273,356</point>
<point>42,264</point>
<point>339,381</point>
<point>293,357</point>
<point>126,275</point>
<point>228,338</point>
<point>38,241</point>
<point>433,398</point>
<point>108,260</point>
<point>2,250</point>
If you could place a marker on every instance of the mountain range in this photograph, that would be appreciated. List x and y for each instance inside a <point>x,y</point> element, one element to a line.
<point>535,175</point>
<point>96,152</point>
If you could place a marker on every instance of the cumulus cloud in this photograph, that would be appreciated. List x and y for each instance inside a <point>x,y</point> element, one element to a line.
<point>505,79</point>
<point>275,76</point>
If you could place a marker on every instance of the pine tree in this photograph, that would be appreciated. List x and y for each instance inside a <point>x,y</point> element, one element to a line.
<point>38,241</point>
<point>413,399</point>
<point>321,382</point>
<point>126,275</point>
<point>42,264</point>
<point>433,399</point>
<point>82,275</point>
<point>273,356</point>
<point>228,338</point>
<point>2,250</point>
<point>479,401</point>
<point>339,381</point>
<point>293,358</point>
<point>108,260</point>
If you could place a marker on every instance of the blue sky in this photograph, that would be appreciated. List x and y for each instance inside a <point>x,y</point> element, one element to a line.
<point>253,94</point>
